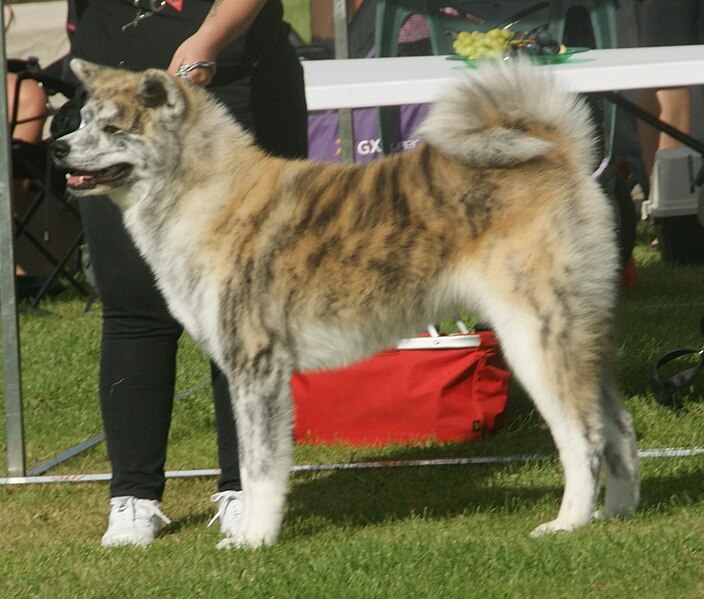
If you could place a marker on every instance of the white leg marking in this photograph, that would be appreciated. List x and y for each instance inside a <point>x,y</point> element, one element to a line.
<point>579,455</point>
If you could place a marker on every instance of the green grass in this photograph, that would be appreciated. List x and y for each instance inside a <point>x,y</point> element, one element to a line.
<point>297,12</point>
<point>458,531</point>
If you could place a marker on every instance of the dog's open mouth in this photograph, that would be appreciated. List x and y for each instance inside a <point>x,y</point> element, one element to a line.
<point>90,179</point>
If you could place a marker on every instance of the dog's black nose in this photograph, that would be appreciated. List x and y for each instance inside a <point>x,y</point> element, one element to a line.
<point>60,149</point>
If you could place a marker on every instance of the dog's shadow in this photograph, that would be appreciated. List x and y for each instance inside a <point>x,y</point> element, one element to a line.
<point>368,496</point>
<point>358,498</point>
<point>666,494</point>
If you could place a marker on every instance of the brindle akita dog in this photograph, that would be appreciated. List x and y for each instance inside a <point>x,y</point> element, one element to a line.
<point>276,266</point>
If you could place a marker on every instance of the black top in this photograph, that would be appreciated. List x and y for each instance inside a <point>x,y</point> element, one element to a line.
<point>99,36</point>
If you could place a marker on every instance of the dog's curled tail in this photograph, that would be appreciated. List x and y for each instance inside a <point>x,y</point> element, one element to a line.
<point>508,112</point>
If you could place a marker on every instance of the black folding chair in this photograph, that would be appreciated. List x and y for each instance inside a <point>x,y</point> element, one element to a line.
<point>32,161</point>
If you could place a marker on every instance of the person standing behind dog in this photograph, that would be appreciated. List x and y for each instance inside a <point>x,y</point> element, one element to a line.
<point>240,49</point>
<point>666,23</point>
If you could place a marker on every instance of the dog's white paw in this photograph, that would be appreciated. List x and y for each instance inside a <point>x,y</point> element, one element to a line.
<point>240,542</point>
<point>248,539</point>
<point>604,514</point>
<point>551,528</point>
<point>618,512</point>
<point>235,542</point>
<point>229,543</point>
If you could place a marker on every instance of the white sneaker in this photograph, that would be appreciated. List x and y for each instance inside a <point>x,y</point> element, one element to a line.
<point>230,510</point>
<point>133,521</point>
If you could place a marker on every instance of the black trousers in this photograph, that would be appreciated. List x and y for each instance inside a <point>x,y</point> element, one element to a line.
<point>140,337</point>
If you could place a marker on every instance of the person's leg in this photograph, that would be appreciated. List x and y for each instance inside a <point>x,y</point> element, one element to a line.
<point>31,108</point>
<point>675,109</point>
<point>236,97</point>
<point>27,127</point>
<point>279,104</point>
<point>649,136</point>
<point>272,106</point>
<point>137,362</point>
<point>672,106</point>
<point>229,498</point>
<point>664,23</point>
<point>229,479</point>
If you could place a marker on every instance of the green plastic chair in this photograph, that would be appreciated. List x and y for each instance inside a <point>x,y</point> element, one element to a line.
<point>482,15</point>
<point>479,15</point>
<point>602,14</point>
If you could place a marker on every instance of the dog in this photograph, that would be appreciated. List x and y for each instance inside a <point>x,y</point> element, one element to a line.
<point>275,266</point>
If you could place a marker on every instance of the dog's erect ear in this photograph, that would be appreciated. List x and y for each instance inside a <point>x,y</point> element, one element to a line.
<point>85,71</point>
<point>158,89</point>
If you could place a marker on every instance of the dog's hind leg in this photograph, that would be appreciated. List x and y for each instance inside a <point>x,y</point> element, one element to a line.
<point>564,384</point>
<point>260,388</point>
<point>620,456</point>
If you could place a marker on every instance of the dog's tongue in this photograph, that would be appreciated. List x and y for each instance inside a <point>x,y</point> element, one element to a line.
<point>80,181</point>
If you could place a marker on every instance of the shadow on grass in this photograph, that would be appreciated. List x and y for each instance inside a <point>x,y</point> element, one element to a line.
<point>358,498</point>
<point>373,496</point>
<point>670,492</point>
<point>195,520</point>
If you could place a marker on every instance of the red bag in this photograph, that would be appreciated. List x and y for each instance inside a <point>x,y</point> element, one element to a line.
<point>453,389</point>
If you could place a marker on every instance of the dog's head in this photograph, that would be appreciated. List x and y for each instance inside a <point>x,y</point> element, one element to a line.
<point>127,132</point>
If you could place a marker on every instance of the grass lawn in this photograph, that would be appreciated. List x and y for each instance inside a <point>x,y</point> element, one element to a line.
<point>451,531</point>
<point>297,13</point>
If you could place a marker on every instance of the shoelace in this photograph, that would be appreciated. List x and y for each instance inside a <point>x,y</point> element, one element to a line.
<point>223,499</point>
<point>157,512</point>
<point>132,508</point>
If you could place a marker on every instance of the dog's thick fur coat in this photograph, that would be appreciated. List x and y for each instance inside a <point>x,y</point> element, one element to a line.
<point>275,266</point>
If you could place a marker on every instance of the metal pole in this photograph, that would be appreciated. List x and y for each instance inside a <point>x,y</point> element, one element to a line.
<point>342,51</point>
<point>14,430</point>
<point>675,452</point>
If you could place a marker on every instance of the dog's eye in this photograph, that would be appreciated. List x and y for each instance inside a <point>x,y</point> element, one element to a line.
<point>111,129</point>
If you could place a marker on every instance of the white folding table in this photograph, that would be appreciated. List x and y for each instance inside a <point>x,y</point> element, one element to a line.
<point>365,82</point>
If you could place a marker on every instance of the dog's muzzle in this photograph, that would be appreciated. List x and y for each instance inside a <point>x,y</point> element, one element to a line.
<point>83,180</point>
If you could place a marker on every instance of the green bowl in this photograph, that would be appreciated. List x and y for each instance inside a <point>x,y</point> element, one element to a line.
<point>540,58</point>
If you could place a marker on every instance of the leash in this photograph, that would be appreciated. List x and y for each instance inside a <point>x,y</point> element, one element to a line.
<point>665,389</point>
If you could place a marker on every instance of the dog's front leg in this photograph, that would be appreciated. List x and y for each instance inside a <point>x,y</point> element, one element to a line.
<point>261,397</point>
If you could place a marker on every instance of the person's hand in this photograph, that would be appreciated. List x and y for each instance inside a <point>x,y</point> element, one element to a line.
<point>192,51</point>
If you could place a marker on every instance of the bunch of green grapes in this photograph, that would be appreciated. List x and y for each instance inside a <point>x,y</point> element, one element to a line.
<point>476,45</point>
